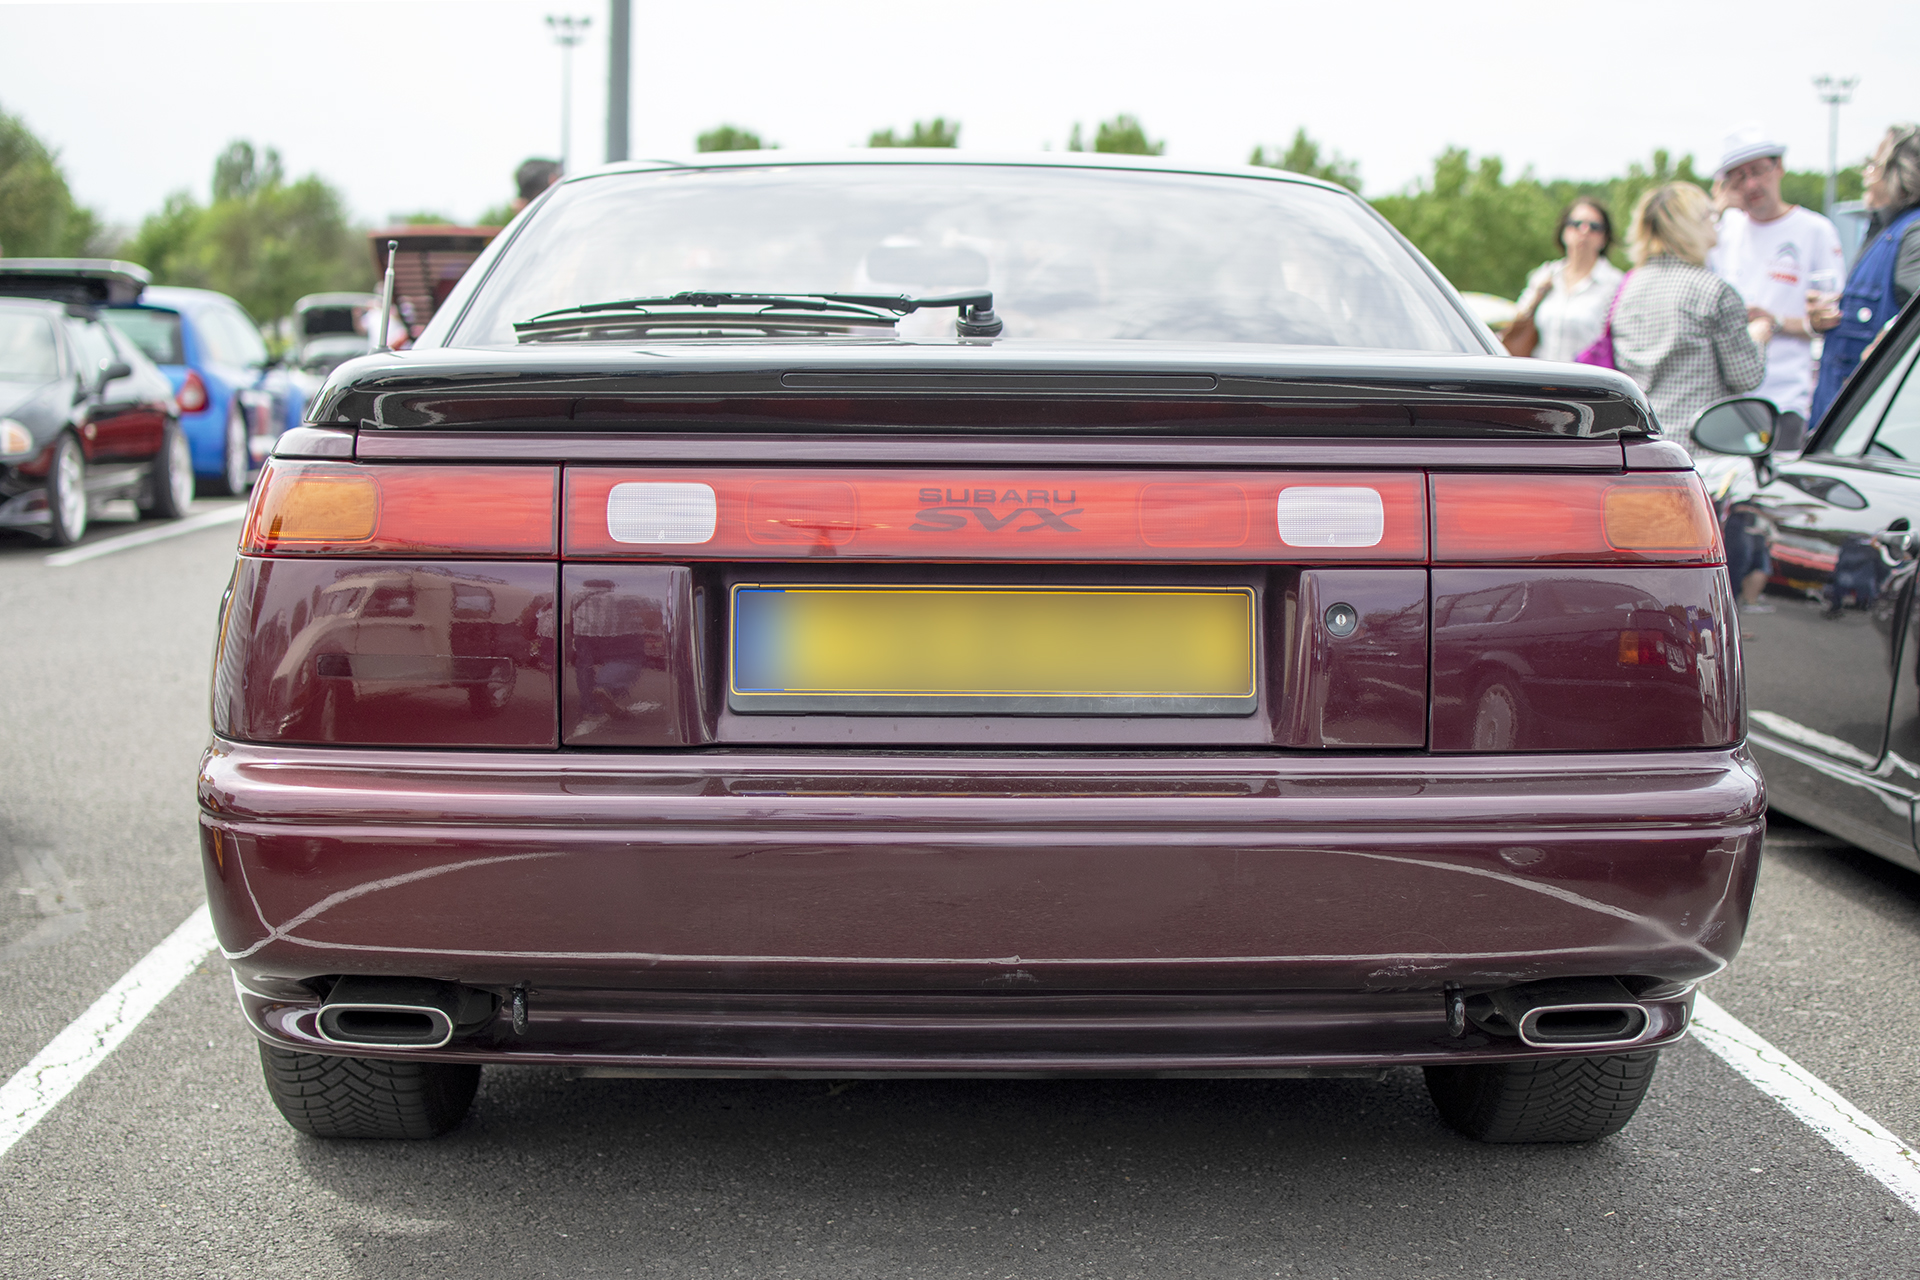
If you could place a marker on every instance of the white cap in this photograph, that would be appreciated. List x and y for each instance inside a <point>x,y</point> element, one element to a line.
<point>1749,142</point>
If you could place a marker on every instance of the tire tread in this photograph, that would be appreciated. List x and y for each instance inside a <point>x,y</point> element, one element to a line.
<point>1543,1099</point>
<point>340,1097</point>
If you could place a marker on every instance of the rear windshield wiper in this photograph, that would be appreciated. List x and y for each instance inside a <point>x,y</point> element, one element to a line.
<point>760,312</point>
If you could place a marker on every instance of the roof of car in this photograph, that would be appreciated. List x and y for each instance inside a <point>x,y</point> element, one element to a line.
<point>950,156</point>
<point>44,306</point>
<point>335,299</point>
<point>173,296</point>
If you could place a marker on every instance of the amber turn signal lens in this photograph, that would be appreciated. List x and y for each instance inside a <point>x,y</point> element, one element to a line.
<point>323,508</point>
<point>1658,516</point>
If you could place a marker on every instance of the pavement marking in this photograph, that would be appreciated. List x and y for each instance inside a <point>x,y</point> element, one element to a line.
<point>85,1043</point>
<point>141,537</point>
<point>1856,1135</point>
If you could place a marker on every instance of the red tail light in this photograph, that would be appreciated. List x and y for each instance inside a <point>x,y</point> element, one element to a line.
<point>742,513</point>
<point>192,396</point>
<point>307,508</point>
<point>1662,517</point>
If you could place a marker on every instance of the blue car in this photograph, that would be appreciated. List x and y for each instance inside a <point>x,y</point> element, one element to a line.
<point>212,352</point>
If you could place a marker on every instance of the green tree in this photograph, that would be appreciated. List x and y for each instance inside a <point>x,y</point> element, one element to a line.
<point>937,132</point>
<point>1303,156</point>
<point>1122,135</point>
<point>262,240</point>
<point>1809,188</point>
<point>1482,232</point>
<point>38,215</point>
<point>729,137</point>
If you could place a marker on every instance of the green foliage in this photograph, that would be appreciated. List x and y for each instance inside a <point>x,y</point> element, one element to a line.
<point>263,240</point>
<point>728,137</point>
<point>1810,189</point>
<point>1122,135</point>
<point>1303,156</point>
<point>38,216</point>
<point>498,216</point>
<point>937,132</point>
<point>1485,233</point>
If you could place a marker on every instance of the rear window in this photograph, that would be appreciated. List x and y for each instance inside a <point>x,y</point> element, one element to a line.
<point>155,332</point>
<point>1069,253</point>
<point>26,349</point>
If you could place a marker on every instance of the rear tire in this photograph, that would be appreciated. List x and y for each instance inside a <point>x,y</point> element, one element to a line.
<point>1543,1099</point>
<point>170,484</point>
<point>236,464</point>
<point>67,492</point>
<point>329,1097</point>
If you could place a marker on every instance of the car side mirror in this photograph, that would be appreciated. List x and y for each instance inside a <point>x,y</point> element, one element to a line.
<point>1744,427</point>
<point>113,371</point>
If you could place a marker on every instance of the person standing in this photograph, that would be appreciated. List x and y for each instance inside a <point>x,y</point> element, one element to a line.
<point>1886,275</point>
<point>1678,330</point>
<point>531,178</point>
<point>1770,251</point>
<point>1568,299</point>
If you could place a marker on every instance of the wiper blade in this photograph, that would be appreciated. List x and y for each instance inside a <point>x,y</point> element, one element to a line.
<point>763,311</point>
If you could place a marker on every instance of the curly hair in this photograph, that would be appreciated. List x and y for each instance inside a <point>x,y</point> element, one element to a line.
<point>1898,156</point>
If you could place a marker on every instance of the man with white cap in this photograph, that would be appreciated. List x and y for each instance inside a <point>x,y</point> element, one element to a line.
<point>1770,251</point>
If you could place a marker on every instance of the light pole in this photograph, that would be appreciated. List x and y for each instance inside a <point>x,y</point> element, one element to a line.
<point>567,31</point>
<point>1835,92</point>
<point>619,62</point>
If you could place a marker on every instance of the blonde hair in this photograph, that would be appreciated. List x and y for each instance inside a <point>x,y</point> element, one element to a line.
<point>1672,220</point>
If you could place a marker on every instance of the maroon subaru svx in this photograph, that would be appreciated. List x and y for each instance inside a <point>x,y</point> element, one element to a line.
<point>915,615</point>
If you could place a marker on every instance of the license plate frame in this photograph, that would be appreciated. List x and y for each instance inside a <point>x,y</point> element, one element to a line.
<point>1229,649</point>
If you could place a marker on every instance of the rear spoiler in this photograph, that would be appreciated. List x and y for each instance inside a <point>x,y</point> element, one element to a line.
<point>88,281</point>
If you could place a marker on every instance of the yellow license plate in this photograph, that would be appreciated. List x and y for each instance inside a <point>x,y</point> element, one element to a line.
<point>973,650</point>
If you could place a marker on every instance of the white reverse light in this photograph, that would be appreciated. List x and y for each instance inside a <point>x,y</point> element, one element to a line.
<point>1331,516</point>
<point>662,511</point>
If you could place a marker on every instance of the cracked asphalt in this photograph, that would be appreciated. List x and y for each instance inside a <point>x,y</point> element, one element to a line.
<point>169,1161</point>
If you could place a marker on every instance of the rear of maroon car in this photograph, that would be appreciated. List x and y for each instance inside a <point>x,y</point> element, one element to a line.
<point>854,709</point>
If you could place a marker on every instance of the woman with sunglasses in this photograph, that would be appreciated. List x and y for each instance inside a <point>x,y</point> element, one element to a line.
<point>1886,274</point>
<point>1567,300</point>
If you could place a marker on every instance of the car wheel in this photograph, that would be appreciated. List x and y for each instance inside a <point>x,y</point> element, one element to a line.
<point>329,1097</point>
<point>170,485</point>
<point>1543,1099</point>
<point>236,464</point>
<point>67,493</point>
<point>1496,719</point>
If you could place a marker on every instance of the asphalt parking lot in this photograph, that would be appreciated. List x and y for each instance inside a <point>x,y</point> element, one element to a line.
<point>167,1159</point>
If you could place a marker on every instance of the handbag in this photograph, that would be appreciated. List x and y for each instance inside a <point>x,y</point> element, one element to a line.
<point>1522,335</point>
<point>1600,351</point>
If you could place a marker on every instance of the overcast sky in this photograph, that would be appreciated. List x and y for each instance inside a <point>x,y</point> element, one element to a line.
<point>411,105</point>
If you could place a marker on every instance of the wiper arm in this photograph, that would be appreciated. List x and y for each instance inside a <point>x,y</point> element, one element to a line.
<point>976,318</point>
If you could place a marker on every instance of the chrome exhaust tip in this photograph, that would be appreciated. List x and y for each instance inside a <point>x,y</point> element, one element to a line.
<point>1573,1013</point>
<point>393,1013</point>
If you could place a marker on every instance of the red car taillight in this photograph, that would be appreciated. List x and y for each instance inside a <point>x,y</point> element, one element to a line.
<point>721,513</point>
<point>339,508</point>
<point>192,396</point>
<point>1659,517</point>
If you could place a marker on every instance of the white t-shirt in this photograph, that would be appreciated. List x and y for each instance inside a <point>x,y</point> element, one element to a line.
<point>1768,263</point>
<point>1570,320</point>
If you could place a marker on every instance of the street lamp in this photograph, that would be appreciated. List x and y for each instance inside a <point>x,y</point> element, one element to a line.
<point>567,31</point>
<point>1836,92</point>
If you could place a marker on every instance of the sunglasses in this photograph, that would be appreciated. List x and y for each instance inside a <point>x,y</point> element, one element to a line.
<point>1582,224</point>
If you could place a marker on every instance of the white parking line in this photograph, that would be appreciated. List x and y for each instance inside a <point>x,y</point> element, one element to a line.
<point>141,537</point>
<point>1853,1133</point>
<point>38,1087</point>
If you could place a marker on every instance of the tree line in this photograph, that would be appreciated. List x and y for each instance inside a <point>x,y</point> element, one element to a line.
<point>266,239</point>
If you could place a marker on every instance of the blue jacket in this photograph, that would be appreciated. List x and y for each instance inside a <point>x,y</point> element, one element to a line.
<point>1866,307</point>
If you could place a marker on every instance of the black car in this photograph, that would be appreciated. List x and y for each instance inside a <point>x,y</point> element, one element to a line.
<point>1832,655</point>
<point>84,416</point>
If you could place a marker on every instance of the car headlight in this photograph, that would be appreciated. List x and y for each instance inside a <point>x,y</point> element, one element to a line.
<point>15,440</point>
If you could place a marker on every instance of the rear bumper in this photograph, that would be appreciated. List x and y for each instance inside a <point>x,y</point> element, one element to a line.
<point>722,911</point>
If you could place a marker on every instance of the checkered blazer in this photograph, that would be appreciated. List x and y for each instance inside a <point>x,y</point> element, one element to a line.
<point>1681,333</point>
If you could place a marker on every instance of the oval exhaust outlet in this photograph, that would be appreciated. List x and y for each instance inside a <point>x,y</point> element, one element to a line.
<point>389,1013</point>
<point>1583,1024</point>
<point>1572,1013</point>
